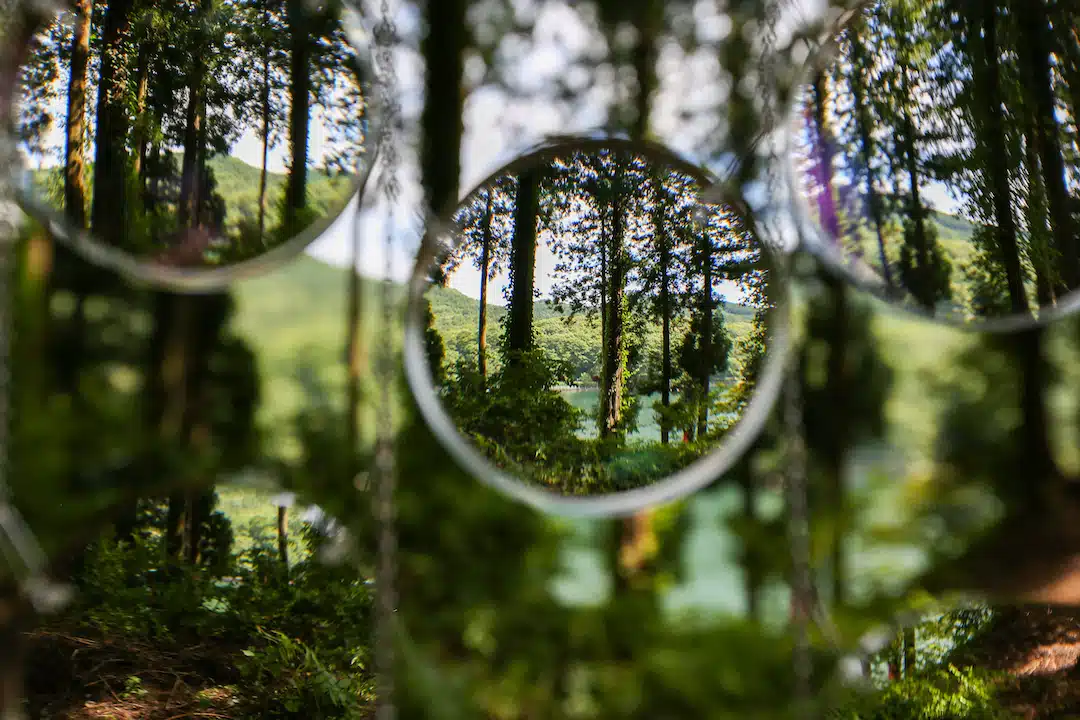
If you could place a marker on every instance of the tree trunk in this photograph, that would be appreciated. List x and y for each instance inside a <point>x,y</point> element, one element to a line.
<point>14,622</point>
<point>838,392</point>
<point>175,531</point>
<point>142,86</point>
<point>706,334</point>
<point>75,154</point>
<point>864,126</point>
<point>1040,469</point>
<point>1035,54</point>
<point>519,333</point>
<point>354,356</point>
<point>1038,233</point>
<point>442,121</point>
<point>108,210</point>
<point>176,317</point>
<point>299,117</point>
<point>827,199</point>
<point>265,126</point>
<point>909,651</point>
<point>911,158</point>
<point>751,564</point>
<point>191,182</point>
<point>648,22</point>
<point>283,536</point>
<point>997,157</point>
<point>485,262</point>
<point>665,307</point>
<point>614,362</point>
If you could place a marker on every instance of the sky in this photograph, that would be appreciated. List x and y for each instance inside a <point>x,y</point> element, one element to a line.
<point>498,128</point>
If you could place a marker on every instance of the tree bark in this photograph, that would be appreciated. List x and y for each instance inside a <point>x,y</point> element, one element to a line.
<point>75,154</point>
<point>283,536</point>
<point>614,362</point>
<point>997,157</point>
<point>109,209</point>
<point>299,117</point>
<point>191,181</point>
<point>265,124</point>
<point>665,306</point>
<point>519,335</point>
<point>485,263</point>
<point>1039,240</point>
<point>839,389</point>
<point>864,124</point>
<point>908,637</point>
<point>142,86</point>
<point>1035,54</point>
<point>706,333</point>
<point>442,121</point>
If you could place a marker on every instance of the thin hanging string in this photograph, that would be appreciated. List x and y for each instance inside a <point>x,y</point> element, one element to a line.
<point>799,532</point>
<point>803,598</point>
<point>386,569</point>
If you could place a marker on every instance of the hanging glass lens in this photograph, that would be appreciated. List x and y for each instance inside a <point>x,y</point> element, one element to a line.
<point>584,326</point>
<point>932,157</point>
<point>190,143</point>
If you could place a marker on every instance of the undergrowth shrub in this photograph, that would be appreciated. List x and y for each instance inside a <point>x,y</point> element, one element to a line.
<point>941,693</point>
<point>293,642</point>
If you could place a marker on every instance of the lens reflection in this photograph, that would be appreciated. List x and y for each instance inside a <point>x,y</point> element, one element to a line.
<point>190,136</point>
<point>597,329</point>
<point>936,148</point>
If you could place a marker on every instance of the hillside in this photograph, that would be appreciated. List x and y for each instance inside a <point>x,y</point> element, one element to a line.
<point>238,183</point>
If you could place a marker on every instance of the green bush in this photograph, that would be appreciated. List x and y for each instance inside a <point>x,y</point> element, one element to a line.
<point>943,693</point>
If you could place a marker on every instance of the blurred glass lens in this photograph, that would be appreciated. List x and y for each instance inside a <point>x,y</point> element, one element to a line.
<point>590,326</point>
<point>934,148</point>
<point>179,141</point>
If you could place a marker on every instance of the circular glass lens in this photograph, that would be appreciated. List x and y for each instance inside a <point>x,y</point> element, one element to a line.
<point>933,159</point>
<point>191,143</point>
<point>584,326</point>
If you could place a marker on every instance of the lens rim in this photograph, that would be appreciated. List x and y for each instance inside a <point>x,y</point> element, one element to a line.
<point>198,280</point>
<point>795,208</point>
<point>673,488</point>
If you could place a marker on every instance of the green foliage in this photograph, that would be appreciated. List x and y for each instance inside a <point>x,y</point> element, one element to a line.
<point>947,693</point>
<point>925,271</point>
<point>291,681</point>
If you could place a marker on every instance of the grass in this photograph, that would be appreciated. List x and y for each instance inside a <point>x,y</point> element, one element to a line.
<point>254,517</point>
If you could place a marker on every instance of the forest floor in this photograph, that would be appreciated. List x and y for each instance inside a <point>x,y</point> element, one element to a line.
<point>85,678</point>
<point>1040,648</point>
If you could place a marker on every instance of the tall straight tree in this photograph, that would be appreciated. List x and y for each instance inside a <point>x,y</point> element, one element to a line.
<point>108,211</point>
<point>613,381</point>
<point>191,173</point>
<point>864,124</point>
<point>666,304</point>
<point>442,119</point>
<point>75,153</point>
<point>989,74</point>
<point>1034,52</point>
<point>485,269</point>
<point>519,328</point>
<point>297,13</point>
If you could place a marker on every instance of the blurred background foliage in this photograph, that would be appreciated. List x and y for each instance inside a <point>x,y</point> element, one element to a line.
<point>150,432</point>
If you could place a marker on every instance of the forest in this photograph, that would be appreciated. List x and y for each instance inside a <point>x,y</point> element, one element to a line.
<point>134,133</point>
<point>154,438</point>
<point>952,104</point>
<point>628,254</point>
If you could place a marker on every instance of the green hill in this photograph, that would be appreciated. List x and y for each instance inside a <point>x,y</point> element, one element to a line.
<point>238,183</point>
<point>295,317</point>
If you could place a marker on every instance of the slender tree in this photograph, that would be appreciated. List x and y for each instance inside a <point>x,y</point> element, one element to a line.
<point>519,328</point>
<point>75,152</point>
